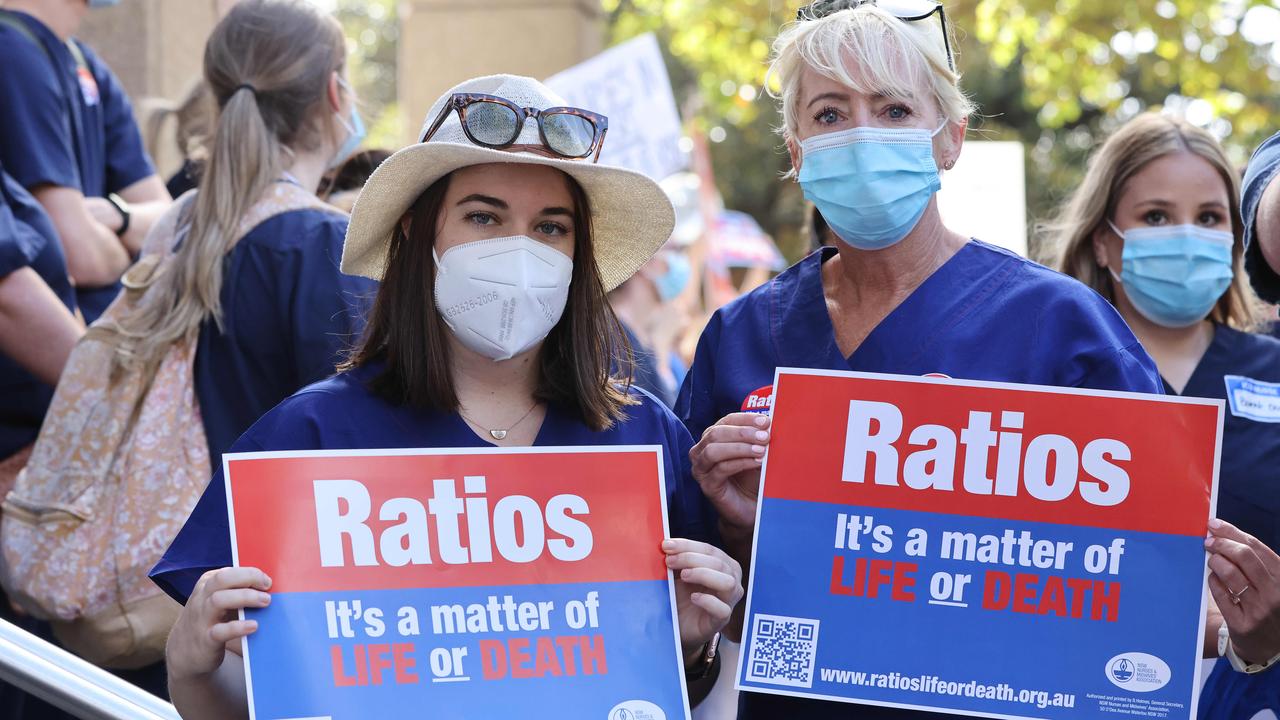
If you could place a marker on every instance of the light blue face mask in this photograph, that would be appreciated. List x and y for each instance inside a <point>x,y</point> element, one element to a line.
<point>1174,275</point>
<point>673,282</point>
<point>356,132</point>
<point>871,185</point>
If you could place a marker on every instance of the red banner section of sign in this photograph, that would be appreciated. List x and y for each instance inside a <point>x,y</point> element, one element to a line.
<point>359,522</point>
<point>999,451</point>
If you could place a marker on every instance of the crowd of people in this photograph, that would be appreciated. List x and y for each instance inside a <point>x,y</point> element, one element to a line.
<point>317,329</point>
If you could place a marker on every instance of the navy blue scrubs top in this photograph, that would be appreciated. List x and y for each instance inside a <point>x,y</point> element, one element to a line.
<point>1244,370</point>
<point>288,317</point>
<point>342,413</point>
<point>986,314</point>
<point>27,239</point>
<point>66,128</point>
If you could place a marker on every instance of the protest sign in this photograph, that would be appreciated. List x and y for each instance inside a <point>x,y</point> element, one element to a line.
<point>628,83</point>
<point>985,549</point>
<point>507,582</point>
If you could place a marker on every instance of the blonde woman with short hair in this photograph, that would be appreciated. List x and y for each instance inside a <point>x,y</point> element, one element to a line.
<point>1155,228</point>
<point>873,114</point>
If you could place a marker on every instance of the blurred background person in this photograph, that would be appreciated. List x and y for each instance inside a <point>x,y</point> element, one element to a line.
<point>68,135</point>
<point>653,315</point>
<point>1155,228</point>
<point>271,309</point>
<point>193,118</point>
<point>342,185</point>
<point>36,301</point>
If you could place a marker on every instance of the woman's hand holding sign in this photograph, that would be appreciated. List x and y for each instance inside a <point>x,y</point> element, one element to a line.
<point>206,629</point>
<point>1245,582</point>
<point>708,586</point>
<point>726,463</point>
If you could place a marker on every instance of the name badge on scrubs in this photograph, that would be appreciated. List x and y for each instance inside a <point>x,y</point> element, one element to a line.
<point>1252,399</point>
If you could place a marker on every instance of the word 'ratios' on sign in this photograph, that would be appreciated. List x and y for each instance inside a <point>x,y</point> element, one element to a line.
<point>343,510</point>
<point>875,426</point>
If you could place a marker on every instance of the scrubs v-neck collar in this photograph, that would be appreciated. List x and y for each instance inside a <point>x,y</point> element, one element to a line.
<point>943,300</point>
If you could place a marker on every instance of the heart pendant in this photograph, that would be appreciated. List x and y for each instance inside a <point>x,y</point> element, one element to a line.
<point>498,434</point>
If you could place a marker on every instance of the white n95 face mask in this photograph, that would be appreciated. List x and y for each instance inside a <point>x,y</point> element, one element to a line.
<point>502,296</point>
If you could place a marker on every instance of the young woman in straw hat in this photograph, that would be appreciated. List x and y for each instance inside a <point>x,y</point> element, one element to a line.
<point>496,239</point>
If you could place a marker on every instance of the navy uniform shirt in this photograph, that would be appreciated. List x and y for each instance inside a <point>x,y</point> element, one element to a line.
<point>986,314</point>
<point>341,413</point>
<point>61,125</point>
<point>288,317</point>
<point>1244,370</point>
<point>27,239</point>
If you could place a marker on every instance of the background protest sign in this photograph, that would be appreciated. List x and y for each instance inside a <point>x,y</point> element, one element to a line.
<point>628,83</point>
<point>988,549</point>
<point>508,582</point>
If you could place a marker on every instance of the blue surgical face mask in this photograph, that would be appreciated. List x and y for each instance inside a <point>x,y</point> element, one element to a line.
<point>1175,274</point>
<point>871,185</point>
<point>673,282</point>
<point>354,126</point>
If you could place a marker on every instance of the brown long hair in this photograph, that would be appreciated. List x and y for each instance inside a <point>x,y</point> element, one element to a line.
<point>575,365</point>
<point>1144,139</point>
<point>267,65</point>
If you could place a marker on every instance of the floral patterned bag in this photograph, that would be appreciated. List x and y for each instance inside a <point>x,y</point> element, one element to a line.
<point>118,466</point>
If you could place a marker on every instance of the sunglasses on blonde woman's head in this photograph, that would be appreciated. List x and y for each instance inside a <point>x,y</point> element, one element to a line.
<point>495,122</point>
<point>905,10</point>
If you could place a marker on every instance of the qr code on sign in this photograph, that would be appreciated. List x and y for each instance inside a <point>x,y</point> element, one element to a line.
<point>783,650</point>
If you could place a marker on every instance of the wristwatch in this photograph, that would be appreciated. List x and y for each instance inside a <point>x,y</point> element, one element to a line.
<point>706,660</point>
<point>122,206</point>
<point>1226,650</point>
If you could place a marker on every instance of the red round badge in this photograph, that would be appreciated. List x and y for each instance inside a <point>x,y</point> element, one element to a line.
<point>759,401</point>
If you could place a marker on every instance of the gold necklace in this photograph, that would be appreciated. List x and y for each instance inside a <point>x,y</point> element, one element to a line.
<point>498,433</point>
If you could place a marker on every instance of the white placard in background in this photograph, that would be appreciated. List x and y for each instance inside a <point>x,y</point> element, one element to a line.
<point>985,194</point>
<point>628,83</point>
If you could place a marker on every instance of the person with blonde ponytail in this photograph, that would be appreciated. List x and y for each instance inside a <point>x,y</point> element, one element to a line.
<point>255,273</point>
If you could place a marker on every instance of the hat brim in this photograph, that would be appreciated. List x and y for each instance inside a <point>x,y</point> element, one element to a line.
<point>631,216</point>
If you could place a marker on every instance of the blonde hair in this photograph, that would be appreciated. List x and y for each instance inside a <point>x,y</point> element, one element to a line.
<point>893,57</point>
<point>267,65</point>
<point>1146,138</point>
<point>194,116</point>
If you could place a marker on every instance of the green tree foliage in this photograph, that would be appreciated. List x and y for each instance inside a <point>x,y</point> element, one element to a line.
<point>1056,74</point>
<point>373,32</point>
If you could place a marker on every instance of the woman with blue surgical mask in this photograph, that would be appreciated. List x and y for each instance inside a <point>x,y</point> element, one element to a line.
<point>872,114</point>
<point>1155,228</point>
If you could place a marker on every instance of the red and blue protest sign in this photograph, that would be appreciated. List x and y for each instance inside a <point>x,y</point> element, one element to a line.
<point>507,582</point>
<point>985,549</point>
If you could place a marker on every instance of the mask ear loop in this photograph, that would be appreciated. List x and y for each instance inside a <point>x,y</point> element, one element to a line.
<point>1120,235</point>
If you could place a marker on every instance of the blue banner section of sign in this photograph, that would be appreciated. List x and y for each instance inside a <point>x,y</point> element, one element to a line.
<point>565,651</point>
<point>1041,635</point>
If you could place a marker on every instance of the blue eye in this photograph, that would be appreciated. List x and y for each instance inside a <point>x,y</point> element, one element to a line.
<point>898,112</point>
<point>551,228</point>
<point>827,116</point>
<point>481,218</point>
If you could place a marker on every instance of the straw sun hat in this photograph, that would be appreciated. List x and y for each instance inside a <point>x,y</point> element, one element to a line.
<point>631,216</point>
